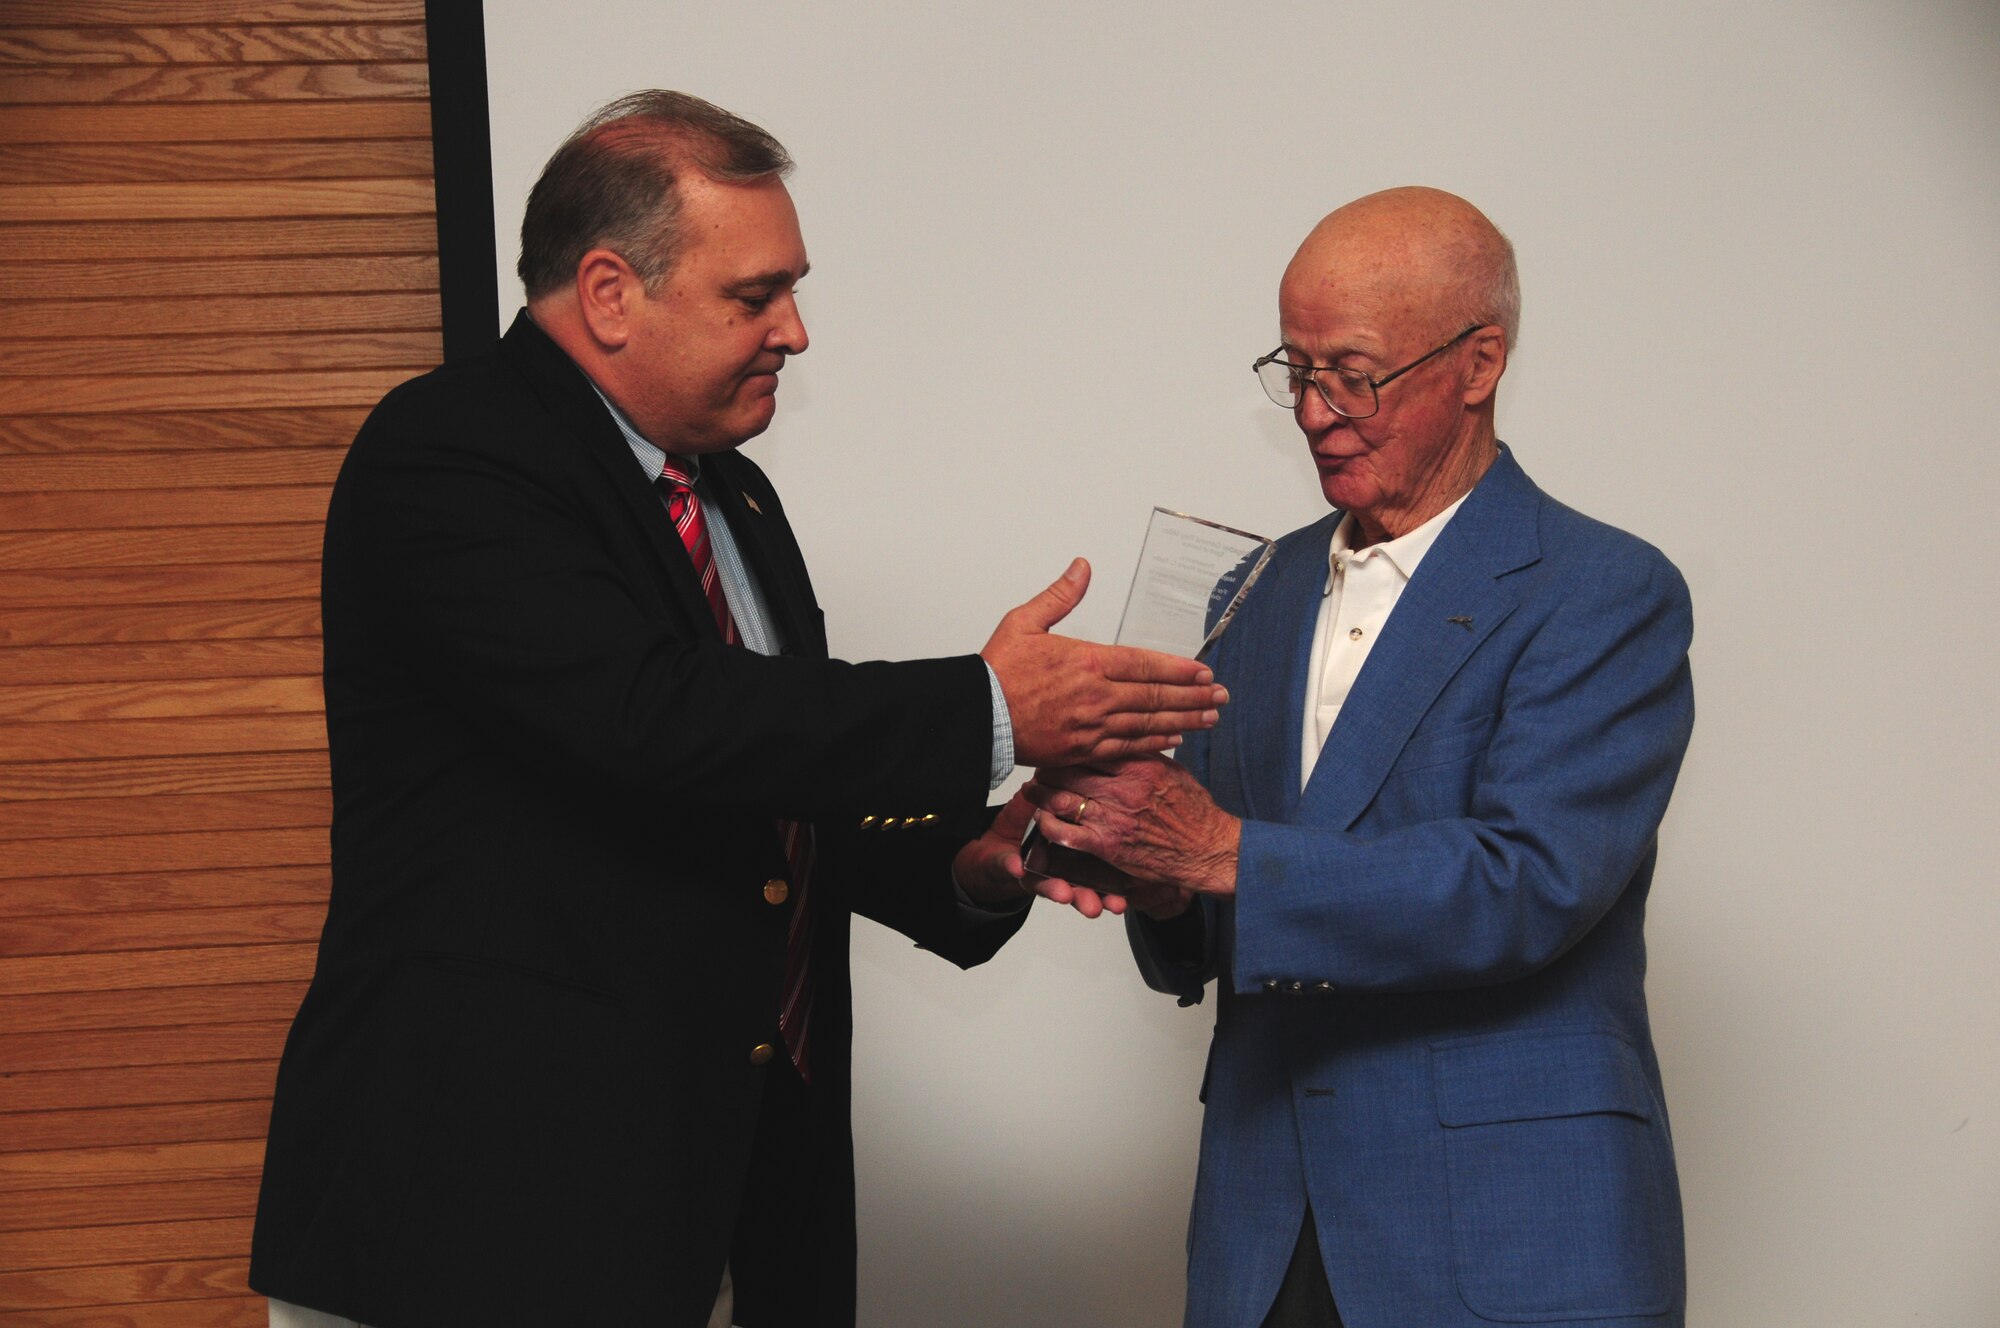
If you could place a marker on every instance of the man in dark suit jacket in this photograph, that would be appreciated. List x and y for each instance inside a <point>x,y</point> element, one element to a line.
<point>1414,856</point>
<point>541,1076</point>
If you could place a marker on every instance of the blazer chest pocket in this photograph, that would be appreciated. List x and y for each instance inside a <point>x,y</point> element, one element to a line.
<point>1431,748</point>
<point>1562,1190</point>
<point>1436,773</point>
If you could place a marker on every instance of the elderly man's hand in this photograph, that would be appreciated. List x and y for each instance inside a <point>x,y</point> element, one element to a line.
<point>1074,701</point>
<point>990,871</point>
<point>1146,817</point>
<point>1093,887</point>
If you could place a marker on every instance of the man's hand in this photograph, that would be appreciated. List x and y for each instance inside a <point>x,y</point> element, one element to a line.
<point>1074,702</point>
<point>1093,887</point>
<point>1146,817</point>
<point>988,869</point>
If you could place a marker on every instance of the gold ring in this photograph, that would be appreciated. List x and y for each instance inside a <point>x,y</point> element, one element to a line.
<point>1078,818</point>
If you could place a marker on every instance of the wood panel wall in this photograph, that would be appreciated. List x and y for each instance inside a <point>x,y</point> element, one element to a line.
<point>217,249</point>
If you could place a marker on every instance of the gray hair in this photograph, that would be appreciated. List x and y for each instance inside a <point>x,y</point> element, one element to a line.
<point>1490,291</point>
<point>613,184</point>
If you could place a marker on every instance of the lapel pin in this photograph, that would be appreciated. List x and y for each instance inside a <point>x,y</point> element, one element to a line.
<point>751,503</point>
<point>1461,620</point>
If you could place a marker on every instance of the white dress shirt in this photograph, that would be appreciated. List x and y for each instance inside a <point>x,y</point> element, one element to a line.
<point>1362,587</point>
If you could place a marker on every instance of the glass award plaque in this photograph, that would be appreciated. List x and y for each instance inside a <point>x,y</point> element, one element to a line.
<point>1192,576</point>
<point>1191,579</point>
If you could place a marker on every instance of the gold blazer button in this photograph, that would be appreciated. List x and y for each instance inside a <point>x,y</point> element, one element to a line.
<point>776,891</point>
<point>762,1053</point>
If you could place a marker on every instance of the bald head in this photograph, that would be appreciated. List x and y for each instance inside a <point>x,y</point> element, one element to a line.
<point>1424,254</point>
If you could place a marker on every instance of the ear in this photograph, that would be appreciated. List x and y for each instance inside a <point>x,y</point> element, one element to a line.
<point>1485,363</point>
<point>608,291</point>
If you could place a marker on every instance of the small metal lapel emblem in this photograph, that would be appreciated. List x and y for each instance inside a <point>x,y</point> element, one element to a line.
<point>751,503</point>
<point>1461,620</point>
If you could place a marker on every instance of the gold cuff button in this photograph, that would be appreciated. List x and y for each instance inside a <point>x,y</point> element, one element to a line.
<point>776,891</point>
<point>762,1053</point>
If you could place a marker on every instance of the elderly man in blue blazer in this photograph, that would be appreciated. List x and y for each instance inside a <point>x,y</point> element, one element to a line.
<point>1415,853</point>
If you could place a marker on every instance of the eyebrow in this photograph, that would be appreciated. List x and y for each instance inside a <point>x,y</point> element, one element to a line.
<point>1331,361</point>
<point>768,280</point>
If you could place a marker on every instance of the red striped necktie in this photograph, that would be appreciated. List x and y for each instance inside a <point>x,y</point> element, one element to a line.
<point>795,1008</point>
<point>685,509</point>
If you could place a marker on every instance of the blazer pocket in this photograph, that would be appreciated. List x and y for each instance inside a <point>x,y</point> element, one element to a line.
<point>1436,774</point>
<point>528,1143</point>
<point>1428,748</point>
<point>480,967</point>
<point>1562,1192</point>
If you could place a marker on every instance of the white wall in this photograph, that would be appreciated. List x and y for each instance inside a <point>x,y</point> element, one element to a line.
<point>1761,252</point>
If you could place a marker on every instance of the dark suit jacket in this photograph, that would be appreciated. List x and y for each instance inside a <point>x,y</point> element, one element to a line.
<point>1431,1016</point>
<point>520,1089</point>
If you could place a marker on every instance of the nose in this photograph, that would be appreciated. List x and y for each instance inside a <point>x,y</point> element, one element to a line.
<point>788,333</point>
<point>1314,416</point>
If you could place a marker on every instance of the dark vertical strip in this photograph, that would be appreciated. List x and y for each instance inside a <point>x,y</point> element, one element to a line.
<point>462,161</point>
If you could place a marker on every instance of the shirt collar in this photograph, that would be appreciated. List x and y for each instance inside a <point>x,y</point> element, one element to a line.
<point>1402,553</point>
<point>651,459</point>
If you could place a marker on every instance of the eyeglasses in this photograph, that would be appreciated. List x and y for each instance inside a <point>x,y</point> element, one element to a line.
<point>1349,392</point>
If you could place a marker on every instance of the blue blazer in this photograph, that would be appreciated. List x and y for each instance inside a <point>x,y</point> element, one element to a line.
<point>1431,1020</point>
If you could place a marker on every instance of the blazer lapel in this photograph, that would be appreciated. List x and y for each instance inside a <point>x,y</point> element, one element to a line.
<point>572,400</point>
<point>1272,637</point>
<point>1450,607</point>
<point>764,538</point>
